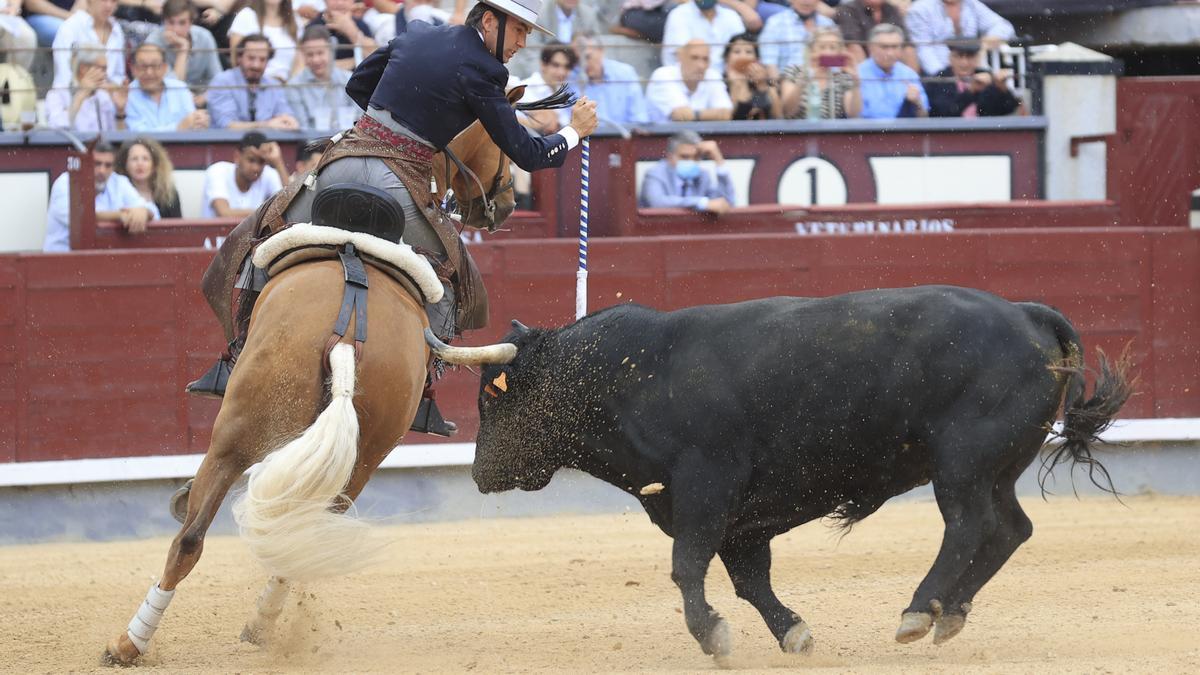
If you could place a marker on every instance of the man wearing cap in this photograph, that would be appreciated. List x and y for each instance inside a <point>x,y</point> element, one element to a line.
<point>965,89</point>
<point>420,91</point>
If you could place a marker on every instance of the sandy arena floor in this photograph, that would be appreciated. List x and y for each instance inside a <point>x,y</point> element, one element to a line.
<point>1101,588</point>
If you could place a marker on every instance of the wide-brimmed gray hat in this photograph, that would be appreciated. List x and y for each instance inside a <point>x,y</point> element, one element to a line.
<point>525,10</point>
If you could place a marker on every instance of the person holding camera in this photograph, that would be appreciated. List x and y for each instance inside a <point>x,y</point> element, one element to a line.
<point>749,81</point>
<point>828,87</point>
<point>965,89</point>
<point>679,181</point>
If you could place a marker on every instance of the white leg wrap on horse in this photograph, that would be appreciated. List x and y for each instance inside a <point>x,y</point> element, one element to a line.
<point>270,601</point>
<point>145,622</point>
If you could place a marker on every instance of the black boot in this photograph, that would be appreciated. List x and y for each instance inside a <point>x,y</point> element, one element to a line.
<point>212,383</point>
<point>429,420</point>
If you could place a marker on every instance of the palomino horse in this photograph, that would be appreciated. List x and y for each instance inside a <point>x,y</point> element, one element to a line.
<point>293,514</point>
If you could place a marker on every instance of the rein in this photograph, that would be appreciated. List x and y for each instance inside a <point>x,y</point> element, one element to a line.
<point>488,196</point>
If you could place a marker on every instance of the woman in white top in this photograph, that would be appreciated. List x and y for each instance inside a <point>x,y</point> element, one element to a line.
<point>280,24</point>
<point>96,25</point>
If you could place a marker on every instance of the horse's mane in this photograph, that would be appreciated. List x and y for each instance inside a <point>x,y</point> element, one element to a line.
<point>561,98</point>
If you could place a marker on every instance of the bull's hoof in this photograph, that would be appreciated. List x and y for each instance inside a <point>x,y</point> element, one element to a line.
<point>913,626</point>
<point>120,652</point>
<point>719,642</point>
<point>179,501</point>
<point>948,625</point>
<point>798,640</point>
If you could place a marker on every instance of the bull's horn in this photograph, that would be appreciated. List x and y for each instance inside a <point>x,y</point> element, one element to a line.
<point>519,327</point>
<point>471,356</point>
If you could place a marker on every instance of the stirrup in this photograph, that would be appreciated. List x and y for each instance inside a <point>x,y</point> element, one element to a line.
<point>429,420</point>
<point>213,382</point>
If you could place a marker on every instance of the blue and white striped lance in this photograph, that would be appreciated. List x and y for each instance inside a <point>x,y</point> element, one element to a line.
<point>581,273</point>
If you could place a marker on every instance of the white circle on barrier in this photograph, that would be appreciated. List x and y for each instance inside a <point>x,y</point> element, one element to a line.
<point>812,181</point>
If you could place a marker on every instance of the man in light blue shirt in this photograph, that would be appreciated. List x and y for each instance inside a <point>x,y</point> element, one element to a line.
<point>116,199</point>
<point>890,89</point>
<point>614,86</point>
<point>783,42</point>
<point>317,94</point>
<point>157,102</point>
<point>239,99</point>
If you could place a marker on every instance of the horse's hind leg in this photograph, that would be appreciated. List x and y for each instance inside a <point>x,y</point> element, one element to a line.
<point>217,473</point>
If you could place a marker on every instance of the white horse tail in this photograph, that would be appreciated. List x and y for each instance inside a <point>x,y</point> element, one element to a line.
<point>290,514</point>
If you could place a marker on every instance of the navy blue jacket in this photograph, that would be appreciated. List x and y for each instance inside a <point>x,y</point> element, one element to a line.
<point>437,80</point>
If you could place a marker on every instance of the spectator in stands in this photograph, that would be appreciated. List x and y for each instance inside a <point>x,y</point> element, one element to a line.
<point>138,18</point>
<point>558,60</point>
<point>157,102</point>
<point>144,161</point>
<point>889,88</point>
<point>644,19</point>
<point>308,156</point>
<point>749,81</point>
<point>679,181</point>
<point>403,13</point>
<point>234,189</point>
<point>856,18</point>
<point>712,22</point>
<point>966,89</point>
<point>689,90</point>
<point>614,86</point>
<point>95,24</point>
<point>191,51</point>
<point>238,98</point>
<point>217,16</point>
<point>785,38</point>
<point>353,34</point>
<point>934,23</point>
<point>828,87</point>
<point>275,20</point>
<point>90,103</point>
<point>17,39</point>
<point>46,16</point>
<point>318,94</point>
<point>116,199</point>
<point>566,18</point>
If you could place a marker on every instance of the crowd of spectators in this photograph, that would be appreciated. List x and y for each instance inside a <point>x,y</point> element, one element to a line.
<point>249,65</point>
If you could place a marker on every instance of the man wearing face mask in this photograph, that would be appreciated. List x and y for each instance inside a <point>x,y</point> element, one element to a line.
<point>418,92</point>
<point>679,181</point>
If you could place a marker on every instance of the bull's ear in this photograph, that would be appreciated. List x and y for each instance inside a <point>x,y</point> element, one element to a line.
<point>516,93</point>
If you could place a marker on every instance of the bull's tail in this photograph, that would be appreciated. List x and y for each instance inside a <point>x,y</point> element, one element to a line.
<point>1084,418</point>
<point>292,515</point>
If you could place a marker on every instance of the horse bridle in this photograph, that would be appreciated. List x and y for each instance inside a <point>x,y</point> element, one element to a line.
<point>488,196</point>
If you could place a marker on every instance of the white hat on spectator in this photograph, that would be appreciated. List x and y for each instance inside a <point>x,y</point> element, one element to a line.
<point>525,10</point>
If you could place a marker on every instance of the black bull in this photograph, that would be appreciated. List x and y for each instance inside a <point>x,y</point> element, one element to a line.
<point>760,416</point>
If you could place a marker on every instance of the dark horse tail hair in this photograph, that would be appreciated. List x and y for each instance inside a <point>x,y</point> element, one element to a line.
<point>1084,418</point>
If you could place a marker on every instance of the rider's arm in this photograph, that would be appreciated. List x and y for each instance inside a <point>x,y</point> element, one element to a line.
<point>531,153</point>
<point>366,77</point>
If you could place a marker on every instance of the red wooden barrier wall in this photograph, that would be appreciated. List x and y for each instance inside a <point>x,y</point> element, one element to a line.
<point>98,345</point>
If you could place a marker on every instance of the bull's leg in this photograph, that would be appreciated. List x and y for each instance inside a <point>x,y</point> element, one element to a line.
<point>749,566</point>
<point>1013,528</point>
<point>217,473</point>
<point>966,506</point>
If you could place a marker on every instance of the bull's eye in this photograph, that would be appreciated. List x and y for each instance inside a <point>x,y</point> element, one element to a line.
<point>501,382</point>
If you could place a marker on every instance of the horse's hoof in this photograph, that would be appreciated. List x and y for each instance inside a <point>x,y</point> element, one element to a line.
<point>913,626</point>
<point>798,640</point>
<point>120,652</point>
<point>179,501</point>
<point>255,635</point>
<point>719,642</point>
<point>948,625</point>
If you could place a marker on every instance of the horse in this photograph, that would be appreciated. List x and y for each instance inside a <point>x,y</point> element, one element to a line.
<point>295,514</point>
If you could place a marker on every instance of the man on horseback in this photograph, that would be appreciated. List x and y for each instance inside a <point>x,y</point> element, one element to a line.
<point>419,92</point>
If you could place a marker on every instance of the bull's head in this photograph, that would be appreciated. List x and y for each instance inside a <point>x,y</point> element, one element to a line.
<point>518,444</point>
